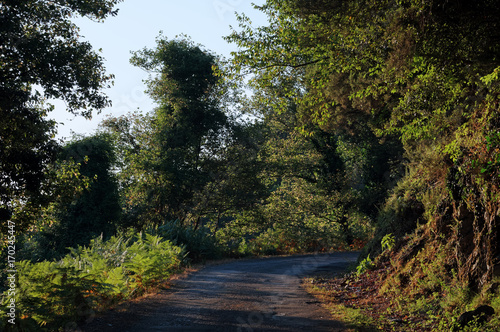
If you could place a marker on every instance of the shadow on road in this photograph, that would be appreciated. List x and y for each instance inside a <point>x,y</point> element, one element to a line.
<point>248,296</point>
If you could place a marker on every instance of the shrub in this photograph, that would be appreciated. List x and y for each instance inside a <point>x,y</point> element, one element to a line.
<point>59,295</point>
<point>364,266</point>
<point>199,243</point>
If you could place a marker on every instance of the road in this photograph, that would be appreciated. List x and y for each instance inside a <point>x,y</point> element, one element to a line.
<point>247,295</point>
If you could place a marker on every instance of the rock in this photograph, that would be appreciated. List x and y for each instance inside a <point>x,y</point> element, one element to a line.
<point>481,313</point>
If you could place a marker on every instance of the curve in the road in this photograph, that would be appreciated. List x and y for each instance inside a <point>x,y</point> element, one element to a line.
<point>248,296</point>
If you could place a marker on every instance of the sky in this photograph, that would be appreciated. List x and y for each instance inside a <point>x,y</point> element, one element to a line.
<point>136,26</point>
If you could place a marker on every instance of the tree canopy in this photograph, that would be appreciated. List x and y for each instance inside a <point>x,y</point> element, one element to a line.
<point>42,56</point>
<point>421,75</point>
<point>187,158</point>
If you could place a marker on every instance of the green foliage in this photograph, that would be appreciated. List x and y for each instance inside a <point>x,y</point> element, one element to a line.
<point>192,159</point>
<point>63,183</point>
<point>235,182</point>
<point>65,293</point>
<point>24,156</point>
<point>419,75</point>
<point>188,116</point>
<point>52,295</point>
<point>493,148</point>
<point>199,243</point>
<point>306,217</point>
<point>42,47</point>
<point>309,92</point>
<point>132,136</point>
<point>317,47</point>
<point>346,95</point>
<point>426,290</point>
<point>88,203</point>
<point>97,210</point>
<point>388,242</point>
<point>150,260</point>
<point>364,266</point>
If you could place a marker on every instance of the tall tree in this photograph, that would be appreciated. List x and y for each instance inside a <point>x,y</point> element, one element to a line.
<point>78,216</point>
<point>422,75</point>
<point>41,47</point>
<point>187,128</point>
<point>308,67</point>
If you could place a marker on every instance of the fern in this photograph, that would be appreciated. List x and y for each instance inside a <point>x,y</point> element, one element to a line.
<point>364,266</point>
<point>388,242</point>
<point>55,294</point>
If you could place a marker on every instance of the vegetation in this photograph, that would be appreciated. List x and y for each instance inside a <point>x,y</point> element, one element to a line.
<point>420,75</point>
<point>63,294</point>
<point>41,47</point>
<point>368,123</point>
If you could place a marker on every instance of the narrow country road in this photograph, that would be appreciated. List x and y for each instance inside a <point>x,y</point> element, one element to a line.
<point>248,295</point>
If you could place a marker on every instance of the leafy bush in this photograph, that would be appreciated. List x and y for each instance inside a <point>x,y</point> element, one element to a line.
<point>62,294</point>
<point>50,295</point>
<point>199,243</point>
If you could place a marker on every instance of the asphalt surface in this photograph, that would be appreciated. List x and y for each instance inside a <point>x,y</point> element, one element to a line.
<point>248,296</point>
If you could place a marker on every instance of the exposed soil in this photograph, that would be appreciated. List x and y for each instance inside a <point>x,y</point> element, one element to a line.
<point>249,295</point>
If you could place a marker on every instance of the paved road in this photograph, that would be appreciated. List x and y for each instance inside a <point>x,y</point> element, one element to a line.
<point>248,296</point>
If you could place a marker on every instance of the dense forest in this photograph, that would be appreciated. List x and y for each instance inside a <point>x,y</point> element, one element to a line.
<point>339,125</point>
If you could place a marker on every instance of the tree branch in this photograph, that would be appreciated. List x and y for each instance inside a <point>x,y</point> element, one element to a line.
<point>312,62</point>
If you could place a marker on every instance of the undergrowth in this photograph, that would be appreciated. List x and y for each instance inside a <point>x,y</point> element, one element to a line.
<point>408,287</point>
<point>65,294</point>
<point>60,295</point>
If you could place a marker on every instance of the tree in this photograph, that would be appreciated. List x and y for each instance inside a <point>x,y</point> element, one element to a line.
<point>26,148</point>
<point>325,49</point>
<point>41,48</point>
<point>133,141</point>
<point>186,132</point>
<point>417,75</point>
<point>317,63</point>
<point>235,183</point>
<point>78,216</point>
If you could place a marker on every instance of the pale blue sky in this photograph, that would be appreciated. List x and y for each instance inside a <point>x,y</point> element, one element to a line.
<point>137,25</point>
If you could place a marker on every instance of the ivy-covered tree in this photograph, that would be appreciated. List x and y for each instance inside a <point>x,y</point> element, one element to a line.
<point>190,158</point>
<point>184,86</point>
